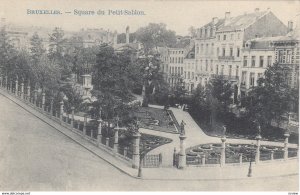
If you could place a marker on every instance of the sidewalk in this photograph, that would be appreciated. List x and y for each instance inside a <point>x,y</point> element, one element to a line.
<point>289,167</point>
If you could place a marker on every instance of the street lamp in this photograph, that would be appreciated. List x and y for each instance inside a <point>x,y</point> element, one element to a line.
<point>250,160</point>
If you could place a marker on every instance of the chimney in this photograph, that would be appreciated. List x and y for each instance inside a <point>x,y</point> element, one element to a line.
<point>115,39</point>
<point>215,20</point>
<point>256,10</point>
<point>290,26</point>
<point>227,18</point>
<point>127,35</point>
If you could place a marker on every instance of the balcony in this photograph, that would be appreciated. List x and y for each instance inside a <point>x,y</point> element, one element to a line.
<point>225,57</point>
<point>226,77</point>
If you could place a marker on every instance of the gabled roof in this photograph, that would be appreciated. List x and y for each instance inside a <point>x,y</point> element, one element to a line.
<point>211,24</point>
<point>242,21</point>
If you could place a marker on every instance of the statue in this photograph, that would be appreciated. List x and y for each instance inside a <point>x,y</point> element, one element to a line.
<point>258,130</point>
<point>182,124</point>
<point>224,130</point>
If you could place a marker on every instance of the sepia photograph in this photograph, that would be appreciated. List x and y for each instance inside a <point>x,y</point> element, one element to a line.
<point>149,96</point>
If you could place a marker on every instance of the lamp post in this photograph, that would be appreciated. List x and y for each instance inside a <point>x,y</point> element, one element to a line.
<point>250,160</point>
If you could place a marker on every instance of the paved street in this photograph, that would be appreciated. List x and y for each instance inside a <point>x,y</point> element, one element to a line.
<point>35,156</point>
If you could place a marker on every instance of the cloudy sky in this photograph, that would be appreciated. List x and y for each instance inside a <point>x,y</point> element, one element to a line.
<point>178,15</point>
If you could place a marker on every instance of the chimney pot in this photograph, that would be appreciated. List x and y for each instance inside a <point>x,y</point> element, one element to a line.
<point>290,26</point>
<point>227,18</point>
<point>256,10</point>
<point>215,20</point>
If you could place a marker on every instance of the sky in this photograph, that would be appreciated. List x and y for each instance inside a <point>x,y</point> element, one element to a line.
<point>179,15</point>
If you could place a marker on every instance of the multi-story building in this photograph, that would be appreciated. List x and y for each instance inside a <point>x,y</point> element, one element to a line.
<point>91,37</point>
<point>191,79</point>
<point>17,36</point>
<point>205,52</point>
<point>260,53</point>
<point>287,53</point>
<point>257,55</point>
<point>231,39</point>
<point>176,55</point>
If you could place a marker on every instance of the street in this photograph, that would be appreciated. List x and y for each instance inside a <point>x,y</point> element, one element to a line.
<point>36,157</point>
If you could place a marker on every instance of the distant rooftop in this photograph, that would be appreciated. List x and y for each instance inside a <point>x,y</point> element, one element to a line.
<point>242,21</point>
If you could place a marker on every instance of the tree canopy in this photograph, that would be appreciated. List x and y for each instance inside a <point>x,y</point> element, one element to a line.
<point>269,100</point>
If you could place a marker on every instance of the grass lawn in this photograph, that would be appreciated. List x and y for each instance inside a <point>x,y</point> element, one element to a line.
<point>155,119</point>
<point>240,129</point>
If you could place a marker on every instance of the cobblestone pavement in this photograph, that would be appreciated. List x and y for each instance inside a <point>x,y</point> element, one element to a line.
<point>36,157</point>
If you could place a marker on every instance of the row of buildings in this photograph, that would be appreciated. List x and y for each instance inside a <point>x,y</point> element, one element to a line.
<point>237,48</point>
<point>20,36</point>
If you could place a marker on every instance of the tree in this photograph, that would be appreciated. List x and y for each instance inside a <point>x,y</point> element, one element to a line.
<point>192,31</point>
<point>270,99</point>
<point>218,93</point>
<point>57,52</point>
<point>112,80</point>
<point>36,48</point>
<point>198,105</point>
<point>7,53</point>
<point>155,35</point>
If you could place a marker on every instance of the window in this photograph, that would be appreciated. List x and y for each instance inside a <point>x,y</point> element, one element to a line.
<point>224,37</point>
<point>201,49</point>
<point>245,61</point>
<point>185,74</point>
<point>206,49</point>
<point>222,70</point>
<point>175,70</point>
<point>269,60</point>
<point>238,52</point>
<point>192,75</point>
<point>211,65</point>
<point>253,61</point>
<point>212,49</point>
<point>170,70</point>
<point>205,33</point>
<point>237,71</point>
<point>197,49</point>
<point>230,70</point>
<point>231,37</point>
<point>181,70</point>
<point>218,52</point>
<point>259,75</point>
<point>201,65</point>
<point>244,75</point>
<point>231,51</point>
<point>223,51</point>
<point>252,79</point>
<point>217,69</point>
<point>281,57</point>
<point>219,37</point>
<point>261,61</point>
<point>189,75</point>
<point>206,65</point>
<point>288,56</point>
